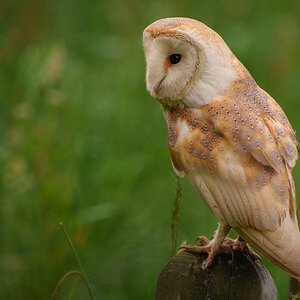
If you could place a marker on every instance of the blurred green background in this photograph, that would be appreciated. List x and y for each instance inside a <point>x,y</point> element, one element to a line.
<point>84,143</point>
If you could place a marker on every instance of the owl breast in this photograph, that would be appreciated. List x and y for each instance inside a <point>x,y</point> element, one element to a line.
<point>232,182</point>
<point>192,141</point>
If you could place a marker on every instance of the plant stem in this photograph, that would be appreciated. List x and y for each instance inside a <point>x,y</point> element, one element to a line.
<point>78,259</point>
<point>176,216</point>
<point>64,278</point>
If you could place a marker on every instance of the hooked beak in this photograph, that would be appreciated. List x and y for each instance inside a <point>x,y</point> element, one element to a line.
<point>158,85</point>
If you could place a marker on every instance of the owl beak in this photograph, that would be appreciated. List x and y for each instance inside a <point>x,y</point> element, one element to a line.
<point>158,86</point>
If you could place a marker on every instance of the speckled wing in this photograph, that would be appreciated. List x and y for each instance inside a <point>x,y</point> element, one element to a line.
<point>238,155</point>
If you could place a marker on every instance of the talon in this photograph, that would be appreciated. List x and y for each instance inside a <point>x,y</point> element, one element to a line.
<point>227,249</point>
<point>208,247</point>
<point>203,240</point>
<point>210,258</point>
<point>204,265</point>
<point>240,245</point>
<point>183,244</point>
<point>212,248</point>
<point>254,256</point>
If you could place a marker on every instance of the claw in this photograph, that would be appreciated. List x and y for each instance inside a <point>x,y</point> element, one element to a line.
<point>240,245</point>
<point>207,247</point>
<point>253,255</point>
<point>205,264</point>
<point>203,240</point>
<point>212,249</point>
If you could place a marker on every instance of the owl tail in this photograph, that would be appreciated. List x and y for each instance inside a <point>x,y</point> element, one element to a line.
<point>281,247</point>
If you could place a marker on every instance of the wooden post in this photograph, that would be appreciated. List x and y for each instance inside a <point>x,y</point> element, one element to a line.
<point>237,277</point>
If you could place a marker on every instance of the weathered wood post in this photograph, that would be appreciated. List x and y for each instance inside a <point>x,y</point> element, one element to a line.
<point>229,277</point>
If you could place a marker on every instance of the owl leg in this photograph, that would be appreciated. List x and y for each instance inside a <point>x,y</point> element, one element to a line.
<point>212,247</point>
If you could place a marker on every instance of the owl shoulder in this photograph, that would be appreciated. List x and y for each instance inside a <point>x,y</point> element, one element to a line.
<point>256,124</point>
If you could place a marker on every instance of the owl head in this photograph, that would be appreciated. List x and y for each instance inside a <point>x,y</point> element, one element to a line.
<point>188,64</point>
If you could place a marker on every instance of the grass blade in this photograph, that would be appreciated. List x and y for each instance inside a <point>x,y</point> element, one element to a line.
<point>63,279</point>
<point>78,261</point>
<point>176,217</point>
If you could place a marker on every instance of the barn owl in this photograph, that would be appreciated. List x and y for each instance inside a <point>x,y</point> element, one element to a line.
<point>228,136</point>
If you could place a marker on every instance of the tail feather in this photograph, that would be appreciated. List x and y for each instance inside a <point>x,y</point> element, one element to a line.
<point>281,247</point>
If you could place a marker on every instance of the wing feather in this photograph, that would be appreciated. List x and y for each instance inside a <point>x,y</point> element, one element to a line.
<point>239,158</point>
<point>238,206</point>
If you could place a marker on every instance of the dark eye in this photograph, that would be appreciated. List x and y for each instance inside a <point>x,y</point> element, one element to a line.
<point>175,58</point>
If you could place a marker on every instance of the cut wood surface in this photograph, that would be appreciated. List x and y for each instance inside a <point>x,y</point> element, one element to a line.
<point>229,277</point>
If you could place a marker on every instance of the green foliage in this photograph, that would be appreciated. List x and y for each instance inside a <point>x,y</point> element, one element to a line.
<point>82,141</point>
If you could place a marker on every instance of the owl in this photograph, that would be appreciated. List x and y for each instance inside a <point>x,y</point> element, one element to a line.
<point>229,137</point>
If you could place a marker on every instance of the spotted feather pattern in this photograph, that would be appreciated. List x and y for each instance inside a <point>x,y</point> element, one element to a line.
<point>240,152</point>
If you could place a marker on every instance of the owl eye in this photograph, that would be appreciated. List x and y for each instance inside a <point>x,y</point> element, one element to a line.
<point>175,58</point>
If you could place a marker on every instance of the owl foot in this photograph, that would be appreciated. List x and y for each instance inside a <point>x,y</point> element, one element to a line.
<point>213,248</point>
<point>209,247</point>
<point>240,245</point>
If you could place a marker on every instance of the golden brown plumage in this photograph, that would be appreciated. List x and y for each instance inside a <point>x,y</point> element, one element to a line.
<point>233,142</point>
